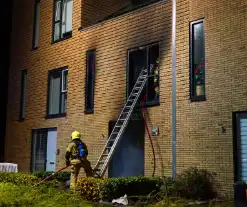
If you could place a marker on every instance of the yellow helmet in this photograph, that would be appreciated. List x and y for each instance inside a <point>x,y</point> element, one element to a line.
<point>75,135</point>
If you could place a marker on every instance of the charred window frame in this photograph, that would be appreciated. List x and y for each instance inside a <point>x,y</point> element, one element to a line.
<point>57,93</point>
<point>151,60</point>
<point>62,20</point>
<point>23,95</point>
<point>90,81</point>
<point>36,24</point>
<point>197,61</point>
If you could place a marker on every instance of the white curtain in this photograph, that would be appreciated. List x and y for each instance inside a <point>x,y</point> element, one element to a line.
<point>67,16</point>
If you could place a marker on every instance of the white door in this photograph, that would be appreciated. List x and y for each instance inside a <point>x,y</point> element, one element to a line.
<point>51,150</point>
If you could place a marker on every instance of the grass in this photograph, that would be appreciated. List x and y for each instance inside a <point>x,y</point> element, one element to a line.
<point>24,195</point>
<point>11,194</point>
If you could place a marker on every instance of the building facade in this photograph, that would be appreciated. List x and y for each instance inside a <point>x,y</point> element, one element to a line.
<point>73,63</point>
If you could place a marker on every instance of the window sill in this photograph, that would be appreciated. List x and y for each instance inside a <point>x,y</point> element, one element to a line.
<point>64,38</point>
<point>198,98</point>
<point>89,111</point>
<point>52,116</point>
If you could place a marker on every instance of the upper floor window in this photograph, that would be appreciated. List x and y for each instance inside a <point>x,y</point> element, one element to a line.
<point>62,24</point>
<point>197,60</point>
<point>138,59</point>
<point>23,94</point>
<point>90,81</point>
<point>36,24</point>
<point>57,92</point>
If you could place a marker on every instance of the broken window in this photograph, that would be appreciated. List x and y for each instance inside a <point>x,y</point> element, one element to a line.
<point>140,58</point>
<point>197,64</point>
<point>63,10</point>
<point>57,97</point>
<point>90,81</point>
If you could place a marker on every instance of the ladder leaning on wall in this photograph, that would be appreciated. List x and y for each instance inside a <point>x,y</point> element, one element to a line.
<point>121,124</point>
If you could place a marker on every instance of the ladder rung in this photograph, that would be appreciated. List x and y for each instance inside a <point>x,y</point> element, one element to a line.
<point>101,162</point>
<point>121,119</point>
<point>111,140</point>
<point>119,126</point>
<point>143,76</point>
<point>104,154</point>
<point>128,106</point>
<point>134,94</point>
<point>139,82</point>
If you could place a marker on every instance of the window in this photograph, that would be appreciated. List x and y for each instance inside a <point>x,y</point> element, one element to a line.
<point>138,59</point>
<point>57,92</point>
<point>36,24</point>
<point>197,64</point>
<point>90,81</point>
<point>62,27</point>
<point>23,94</point>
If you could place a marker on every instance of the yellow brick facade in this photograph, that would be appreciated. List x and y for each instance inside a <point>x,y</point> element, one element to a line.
<point>200,140</point>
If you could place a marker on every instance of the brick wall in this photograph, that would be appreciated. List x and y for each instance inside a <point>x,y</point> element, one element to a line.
<point>94,11</point>
<point>199,138</point>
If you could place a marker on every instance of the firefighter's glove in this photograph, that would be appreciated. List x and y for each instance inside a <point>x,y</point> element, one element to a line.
<point>67,163</point>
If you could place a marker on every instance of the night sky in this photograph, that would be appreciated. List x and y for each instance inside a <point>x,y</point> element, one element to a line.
<point>5,29</point>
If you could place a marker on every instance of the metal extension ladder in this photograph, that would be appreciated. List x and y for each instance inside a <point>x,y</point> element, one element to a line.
<point>120,125</point>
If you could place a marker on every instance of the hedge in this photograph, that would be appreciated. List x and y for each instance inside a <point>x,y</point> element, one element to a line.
<point>107,189</point>
<point>25,179</point>
<point>60,176</point>
<point>18,178</point>
<point>193,183</point>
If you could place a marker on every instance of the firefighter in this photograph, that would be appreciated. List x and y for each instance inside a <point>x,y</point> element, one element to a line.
<point>76,156</point>
<point>156,83</point>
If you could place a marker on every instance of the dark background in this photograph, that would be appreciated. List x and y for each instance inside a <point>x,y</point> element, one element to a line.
<point>5,32</point>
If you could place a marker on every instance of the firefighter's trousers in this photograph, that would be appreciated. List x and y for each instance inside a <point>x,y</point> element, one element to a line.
<point>76,165</point>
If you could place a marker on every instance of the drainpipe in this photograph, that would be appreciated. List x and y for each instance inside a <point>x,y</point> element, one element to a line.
<point>174,88</point>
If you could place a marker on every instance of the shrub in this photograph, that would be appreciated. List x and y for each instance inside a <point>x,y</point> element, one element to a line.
<point>195,184</point>
<point>132,186</point>
<point>17,178</point>
<point>90,188</point>
<point>108,189</point>
<point>60,176</point>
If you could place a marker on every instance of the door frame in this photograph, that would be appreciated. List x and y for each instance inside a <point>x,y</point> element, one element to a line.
<point>147,46</point>
<point>112,123</point>
<point>32,145</point>
<point>237,142</point>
